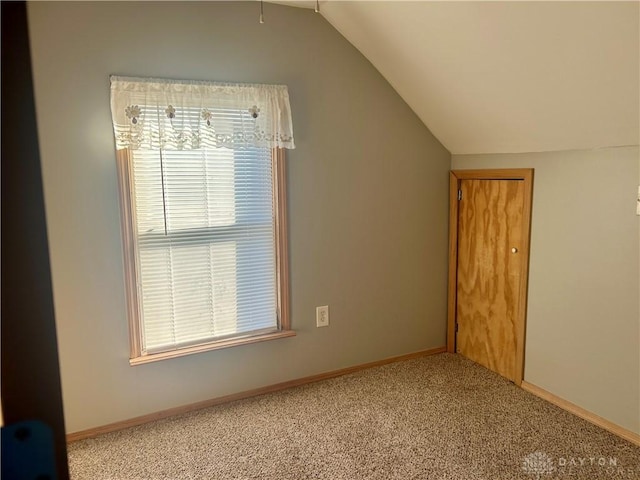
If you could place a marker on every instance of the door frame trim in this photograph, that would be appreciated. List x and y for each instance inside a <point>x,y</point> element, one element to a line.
<point>455,177</point>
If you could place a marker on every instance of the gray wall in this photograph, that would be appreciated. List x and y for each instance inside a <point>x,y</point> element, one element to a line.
<point>367,198</point>
<point>583,313</point>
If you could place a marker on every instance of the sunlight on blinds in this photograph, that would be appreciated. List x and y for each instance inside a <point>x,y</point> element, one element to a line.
<point>204,224</point>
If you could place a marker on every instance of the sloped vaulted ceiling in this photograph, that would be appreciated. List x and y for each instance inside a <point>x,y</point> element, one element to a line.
<point>492,77</point>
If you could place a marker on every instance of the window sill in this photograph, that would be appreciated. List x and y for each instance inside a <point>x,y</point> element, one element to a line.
<point>231,342</point>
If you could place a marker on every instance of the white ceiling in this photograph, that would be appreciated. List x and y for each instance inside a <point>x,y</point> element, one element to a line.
<point>492,77</point>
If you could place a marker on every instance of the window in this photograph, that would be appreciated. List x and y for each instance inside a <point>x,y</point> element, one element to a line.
<point>201,170</point>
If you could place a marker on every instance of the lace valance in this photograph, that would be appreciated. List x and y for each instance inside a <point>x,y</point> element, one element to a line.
<point>177,114</point>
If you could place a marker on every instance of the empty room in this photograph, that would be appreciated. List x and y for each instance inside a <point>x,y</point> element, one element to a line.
<point>328,239</point>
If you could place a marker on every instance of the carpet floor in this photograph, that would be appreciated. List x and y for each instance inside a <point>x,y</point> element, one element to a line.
<point>437,417</point>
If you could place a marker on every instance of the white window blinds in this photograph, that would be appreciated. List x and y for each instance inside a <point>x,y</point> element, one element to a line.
<point>202,209</point>
<point>206,248</point>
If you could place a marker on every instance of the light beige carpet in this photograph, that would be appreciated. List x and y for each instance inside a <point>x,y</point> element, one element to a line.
<point>438,417</point>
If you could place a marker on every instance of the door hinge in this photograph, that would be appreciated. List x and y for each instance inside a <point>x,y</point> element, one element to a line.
<point>456,327</point>
<point>459,194</point>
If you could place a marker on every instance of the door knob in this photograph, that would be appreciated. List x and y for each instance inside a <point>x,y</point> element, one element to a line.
<point>514,250</point>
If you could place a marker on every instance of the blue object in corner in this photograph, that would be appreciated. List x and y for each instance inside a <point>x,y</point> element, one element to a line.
<point>27,451</point>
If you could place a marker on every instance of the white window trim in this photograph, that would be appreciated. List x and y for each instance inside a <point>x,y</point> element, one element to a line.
<point>131,267</point>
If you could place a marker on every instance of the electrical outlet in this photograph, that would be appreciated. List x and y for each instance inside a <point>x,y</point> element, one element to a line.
<point>322,316</point>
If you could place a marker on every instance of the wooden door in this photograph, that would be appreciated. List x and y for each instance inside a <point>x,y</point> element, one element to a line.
<point>491,261</point>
